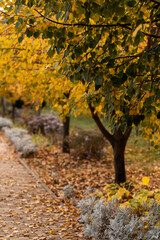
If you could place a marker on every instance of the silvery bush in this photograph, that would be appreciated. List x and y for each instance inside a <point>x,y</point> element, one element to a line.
<point>22,141</point>
<point>110,222</point>
<point>4,122</point>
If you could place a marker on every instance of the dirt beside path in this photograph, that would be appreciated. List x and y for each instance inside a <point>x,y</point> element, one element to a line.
<point>26,209</point>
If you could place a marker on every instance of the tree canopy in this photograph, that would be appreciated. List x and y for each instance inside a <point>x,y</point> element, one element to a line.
<point>110,48</point>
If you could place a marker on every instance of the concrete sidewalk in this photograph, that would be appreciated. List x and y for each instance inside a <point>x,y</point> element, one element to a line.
<point>26,209</point>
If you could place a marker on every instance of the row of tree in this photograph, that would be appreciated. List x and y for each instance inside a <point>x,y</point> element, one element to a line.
<point>98,56</point>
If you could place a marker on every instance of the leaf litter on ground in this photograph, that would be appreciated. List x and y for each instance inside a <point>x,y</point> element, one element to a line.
<point>58,170</point>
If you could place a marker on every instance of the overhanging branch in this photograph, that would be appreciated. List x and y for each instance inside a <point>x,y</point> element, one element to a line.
<point>86,25</point>
<point>151,35</point>
<point>123,25</point>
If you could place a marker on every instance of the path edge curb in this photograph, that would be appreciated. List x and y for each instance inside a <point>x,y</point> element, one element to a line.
<point>35,176</point>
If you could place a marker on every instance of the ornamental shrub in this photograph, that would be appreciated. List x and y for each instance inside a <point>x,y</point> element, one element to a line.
<point>22,141</point>
<point>107,221</point>
<point>87,144</point>
<point>48,125</point>
<point>4,122</point>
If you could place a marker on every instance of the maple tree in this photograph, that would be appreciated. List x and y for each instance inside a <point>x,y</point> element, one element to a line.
<point>112,49</point>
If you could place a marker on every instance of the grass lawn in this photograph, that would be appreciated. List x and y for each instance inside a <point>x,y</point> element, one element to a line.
<point>85,123</point>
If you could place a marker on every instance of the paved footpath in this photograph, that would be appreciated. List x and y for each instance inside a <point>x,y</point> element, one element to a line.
<point>26,209</point>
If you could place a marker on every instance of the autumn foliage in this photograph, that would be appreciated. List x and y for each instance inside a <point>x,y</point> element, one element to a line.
<point>82,57</point>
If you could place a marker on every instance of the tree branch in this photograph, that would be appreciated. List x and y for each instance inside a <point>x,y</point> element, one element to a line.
<point>123,25</point>
<point>130,56</point>
<point>101,127</point>
<point>127,133</point>
<point>4,13</point>
<point>13,48</point>
<point>151,35</point>
<point>86,25</point>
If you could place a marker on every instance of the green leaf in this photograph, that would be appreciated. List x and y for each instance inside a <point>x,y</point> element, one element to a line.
<point>71,35</point>
<point>29,33</point>
<point>20,39</point>
<point>66,53</point>
<point>149,101</point>
<point>17,24</point>
<point>78,69</point>
<point>30,3</point>
<point>17,9</point>
<point>120,11</point>
<point>111,63</point>
<point>58,15</point>
<point>131,3</point>
<point>158,115</point>
<point>51,52</point>
<point>115,81</point>
<point>123,78</point>
<point>137,119</point>
<point>4,21</point>
<point>36,34</point>
<point>72,78</point>
<point>49,34</point>
<point>66,16</point>
<point>132,70</point>
<point>66,7</point>
<point>11,20</point>
<point>32,20</point>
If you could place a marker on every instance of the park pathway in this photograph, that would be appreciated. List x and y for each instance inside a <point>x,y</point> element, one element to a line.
<point>26,209</point>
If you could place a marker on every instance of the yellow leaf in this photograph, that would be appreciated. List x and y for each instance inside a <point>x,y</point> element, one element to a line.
<point>136,30</point>
<point>125,205</point>
<point>157,197</point>
<point>145,181</point>
<point>99,194</point>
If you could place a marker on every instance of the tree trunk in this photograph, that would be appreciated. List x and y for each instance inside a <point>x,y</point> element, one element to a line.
<point>119,144</point>
<point>119,162</point>
<point>39,111</point>
<point>66,123</point>
<point>13,112</point>
<point>3,106</point>
<point>118,141</point>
